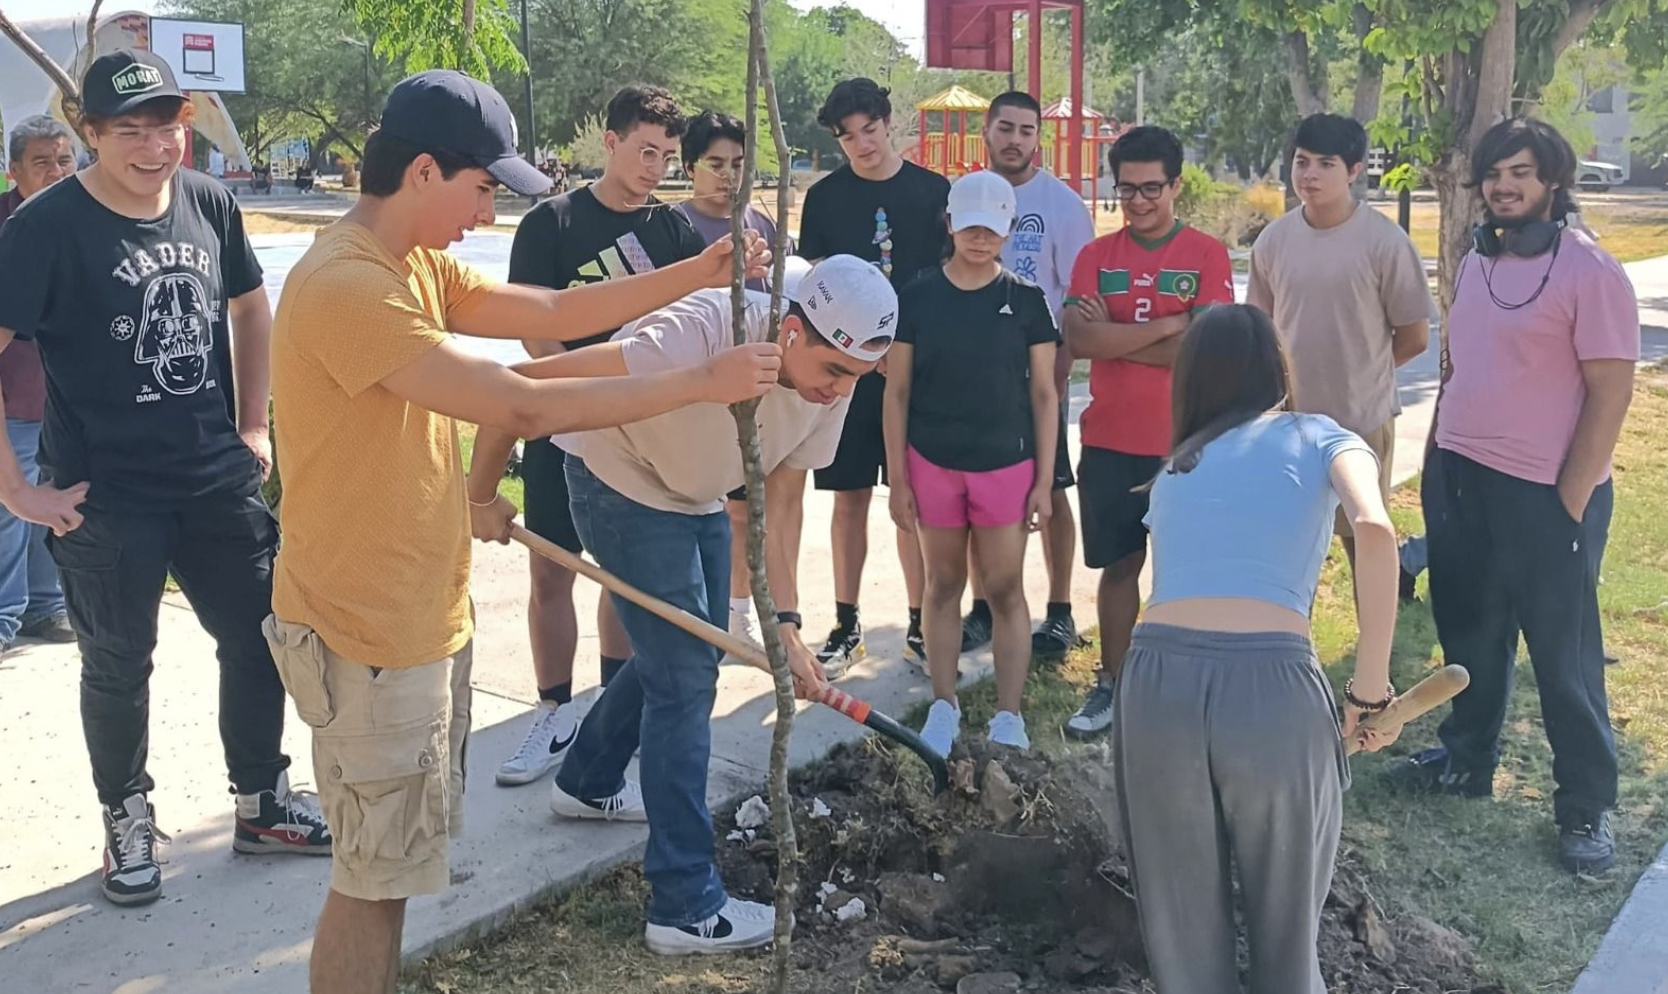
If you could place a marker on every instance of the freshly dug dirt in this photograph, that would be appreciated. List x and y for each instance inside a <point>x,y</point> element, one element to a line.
<point>1013,880</point>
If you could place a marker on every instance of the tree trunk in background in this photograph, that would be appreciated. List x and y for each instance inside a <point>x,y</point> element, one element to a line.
<point>1309,88</point>
<point>1369,85</point>
<point>1479,95</point>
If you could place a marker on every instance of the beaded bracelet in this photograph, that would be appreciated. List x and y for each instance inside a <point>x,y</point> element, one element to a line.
<point>1371,707</point>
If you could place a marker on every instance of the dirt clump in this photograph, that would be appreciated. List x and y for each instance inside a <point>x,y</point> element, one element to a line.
<point>1014,879</point>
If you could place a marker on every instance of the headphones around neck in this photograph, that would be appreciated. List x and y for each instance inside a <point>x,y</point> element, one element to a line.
<point>1528,240</point>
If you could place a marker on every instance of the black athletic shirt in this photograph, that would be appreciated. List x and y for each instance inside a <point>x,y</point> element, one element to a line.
<point>841,217</point>
<point>573,239</point>
<point>131,319</point>
<point>970,381</point>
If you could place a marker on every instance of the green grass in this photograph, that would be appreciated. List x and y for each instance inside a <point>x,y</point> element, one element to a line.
<point>1487,868</point>
<point>1484,868</point>
<point>510,486</point>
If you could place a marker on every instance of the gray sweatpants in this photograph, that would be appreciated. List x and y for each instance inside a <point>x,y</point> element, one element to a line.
<point>1227,747</point>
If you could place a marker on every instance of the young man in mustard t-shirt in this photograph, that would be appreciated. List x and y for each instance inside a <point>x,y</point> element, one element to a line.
<point>371,622</point>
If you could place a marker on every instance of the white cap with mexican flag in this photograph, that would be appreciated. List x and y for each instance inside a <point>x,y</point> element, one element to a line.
<point>850,303</point>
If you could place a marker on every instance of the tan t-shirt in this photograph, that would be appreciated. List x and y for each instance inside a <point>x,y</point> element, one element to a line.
<point>1335,297</point>
<point>375,553</point>
<point>686,461</point>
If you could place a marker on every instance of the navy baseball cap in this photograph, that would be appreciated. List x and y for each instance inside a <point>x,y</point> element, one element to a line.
<point>118,82</point>
<point>443,110</point>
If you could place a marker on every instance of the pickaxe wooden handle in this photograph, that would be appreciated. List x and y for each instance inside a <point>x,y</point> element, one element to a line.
<point>830,696</point>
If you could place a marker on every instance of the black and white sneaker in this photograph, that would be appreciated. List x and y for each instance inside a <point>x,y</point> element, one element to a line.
<point>626,804</point>
<point>546,745</point>
<point>1094,717</point>
<point>1054,638</point>
<point>843,647</point>
<point>738,925</point>
<point>132,872</point>
<point>281,820</point>
<point>915,649</point>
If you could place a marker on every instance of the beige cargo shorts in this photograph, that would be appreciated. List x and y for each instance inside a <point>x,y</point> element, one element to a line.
<point>1383,444</point>
<point>388,753</point>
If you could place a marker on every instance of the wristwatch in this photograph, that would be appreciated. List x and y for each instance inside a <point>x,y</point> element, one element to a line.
<point>790,618</point>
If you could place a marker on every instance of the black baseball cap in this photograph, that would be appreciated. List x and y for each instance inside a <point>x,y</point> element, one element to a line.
<point>118,82</point>
<point>443,110</point>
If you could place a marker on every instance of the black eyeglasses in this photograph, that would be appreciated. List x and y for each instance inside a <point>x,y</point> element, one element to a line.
<point>1148,191</point>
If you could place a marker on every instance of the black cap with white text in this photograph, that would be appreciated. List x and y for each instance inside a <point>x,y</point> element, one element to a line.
<point>118,82</point>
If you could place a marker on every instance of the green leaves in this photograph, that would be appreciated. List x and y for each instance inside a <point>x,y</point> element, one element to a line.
<point>431,34</point>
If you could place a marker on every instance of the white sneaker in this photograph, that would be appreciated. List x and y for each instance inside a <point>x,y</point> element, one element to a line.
<point>1007,728</point>
<point>624,805</point>
<point>742,626</point>
<point>943,727</point>
<point>554,729</point>
<point>737,925</point>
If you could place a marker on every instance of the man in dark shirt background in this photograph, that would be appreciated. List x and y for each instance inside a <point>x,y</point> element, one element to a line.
<point>888,212</point>
<point>41,153</point>
<point>614,227</point>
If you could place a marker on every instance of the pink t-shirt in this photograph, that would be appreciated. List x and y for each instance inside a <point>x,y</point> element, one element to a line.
<point>1516,390</point>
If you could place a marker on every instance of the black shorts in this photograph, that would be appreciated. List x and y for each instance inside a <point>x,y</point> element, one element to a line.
<point>547,513</point>
<point>1110,507</point>
<point>1063,478</point>
<point>860,461</point>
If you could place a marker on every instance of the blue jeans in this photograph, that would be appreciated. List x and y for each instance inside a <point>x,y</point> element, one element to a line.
<point>663,697</point>
<point>28,577</point>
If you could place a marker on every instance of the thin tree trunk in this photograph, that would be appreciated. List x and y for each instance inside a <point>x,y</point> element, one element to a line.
<point>92,31</point>
<point>1310,98</point>
<point>1369,85</point>
<point>1478,93</point>
<point>55,72</point>
<point>1308,92</point>
<point>747,430</point>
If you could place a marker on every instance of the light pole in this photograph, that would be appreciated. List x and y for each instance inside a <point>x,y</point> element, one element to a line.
<point>366,46</point>
<point>527,53</point>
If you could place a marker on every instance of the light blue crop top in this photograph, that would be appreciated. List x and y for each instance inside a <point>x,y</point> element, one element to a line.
<point>1254,517</point>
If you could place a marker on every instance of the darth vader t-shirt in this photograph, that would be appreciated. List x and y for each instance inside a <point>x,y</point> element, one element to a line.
<point>130,316</point>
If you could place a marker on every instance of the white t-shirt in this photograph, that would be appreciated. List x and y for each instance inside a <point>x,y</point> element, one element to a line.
<point>217,164</point>
<point>686,461</point>
<point>1054,225</point>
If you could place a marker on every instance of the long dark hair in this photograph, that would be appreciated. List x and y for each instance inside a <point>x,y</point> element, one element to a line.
<point>1231,368</point>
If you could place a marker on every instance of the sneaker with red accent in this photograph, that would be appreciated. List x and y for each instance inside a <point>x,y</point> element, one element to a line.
<point>281,820</point>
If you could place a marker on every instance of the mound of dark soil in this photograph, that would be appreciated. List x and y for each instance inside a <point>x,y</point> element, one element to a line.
<point>1013,879</point>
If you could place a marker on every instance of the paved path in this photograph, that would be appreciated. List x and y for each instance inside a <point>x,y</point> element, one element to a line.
<point>246,922</point>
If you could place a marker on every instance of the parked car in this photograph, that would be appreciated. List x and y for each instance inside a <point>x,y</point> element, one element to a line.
<point>1597,177</point>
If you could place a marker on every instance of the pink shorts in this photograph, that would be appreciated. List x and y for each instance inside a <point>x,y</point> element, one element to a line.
<point>947,498</point>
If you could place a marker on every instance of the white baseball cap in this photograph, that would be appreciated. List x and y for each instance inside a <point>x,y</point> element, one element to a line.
<point>983,200</point>
<point>793,270</point>
<point>850,303</point>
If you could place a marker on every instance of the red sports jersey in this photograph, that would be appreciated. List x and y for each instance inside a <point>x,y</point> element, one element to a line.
<point>1139,281</point>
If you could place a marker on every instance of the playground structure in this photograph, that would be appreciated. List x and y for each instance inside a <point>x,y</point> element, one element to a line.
<point>979,35</point>
<point>950,143</point>
<point>947,145</point>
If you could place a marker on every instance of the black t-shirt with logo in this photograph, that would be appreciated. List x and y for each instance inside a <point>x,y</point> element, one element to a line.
<point>131,319</point>
<point>970,381</point>
<point>573,239</point>
<point>846,214</point>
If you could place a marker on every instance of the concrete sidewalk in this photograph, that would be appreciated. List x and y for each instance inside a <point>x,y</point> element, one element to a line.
<point>247,922</point>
